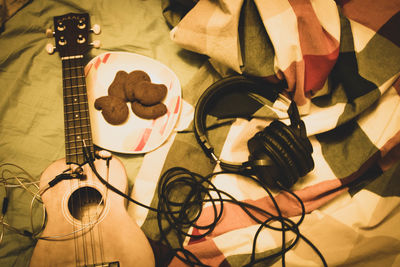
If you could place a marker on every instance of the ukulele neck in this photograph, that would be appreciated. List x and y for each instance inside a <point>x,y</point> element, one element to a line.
<point>78,136</point>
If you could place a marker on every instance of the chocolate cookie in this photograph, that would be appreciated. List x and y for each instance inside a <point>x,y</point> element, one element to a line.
<point>132,81</point>
<point>148,93</point>
<point>117,87</point>
<point>148,112</point>
<point>114,109</point>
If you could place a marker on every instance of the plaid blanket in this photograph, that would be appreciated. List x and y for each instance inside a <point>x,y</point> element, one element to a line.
<point>340,60</point>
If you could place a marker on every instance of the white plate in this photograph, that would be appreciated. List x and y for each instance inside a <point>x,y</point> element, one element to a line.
<point>135,135</point>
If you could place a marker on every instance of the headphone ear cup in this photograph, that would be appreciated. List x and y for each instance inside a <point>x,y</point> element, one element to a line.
<point>263,145</point>
<point>296,148</point>
<point>261,164</point>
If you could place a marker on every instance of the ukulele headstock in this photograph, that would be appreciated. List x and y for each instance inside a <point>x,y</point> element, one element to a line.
<point>71,33</point>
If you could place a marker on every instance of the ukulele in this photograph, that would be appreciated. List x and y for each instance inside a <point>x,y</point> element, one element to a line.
<point>87,224</point>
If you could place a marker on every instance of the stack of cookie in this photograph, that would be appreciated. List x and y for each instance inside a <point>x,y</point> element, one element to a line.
<point>136,88</point>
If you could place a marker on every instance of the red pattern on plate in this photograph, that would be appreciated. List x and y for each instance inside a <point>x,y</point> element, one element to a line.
<point>105,58</point>
<point>153,131</point>
<point>97,63</point>
<point>143,141</point>
<point>177,106</point>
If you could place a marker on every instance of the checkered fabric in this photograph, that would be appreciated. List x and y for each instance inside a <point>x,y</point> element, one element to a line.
<point>340,60</point>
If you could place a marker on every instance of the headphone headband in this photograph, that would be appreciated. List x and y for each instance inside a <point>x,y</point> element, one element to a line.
<point>220,88</point>
<point>280,151</point>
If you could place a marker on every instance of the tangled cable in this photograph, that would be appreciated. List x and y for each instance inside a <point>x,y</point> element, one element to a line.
<point>182,195</point>
<point>198,190</point>
<point>181,215</point>
<point>14,177</point>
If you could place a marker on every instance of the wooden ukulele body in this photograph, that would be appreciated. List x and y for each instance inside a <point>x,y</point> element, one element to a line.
<point>96,232</point>
<point>87,224</point>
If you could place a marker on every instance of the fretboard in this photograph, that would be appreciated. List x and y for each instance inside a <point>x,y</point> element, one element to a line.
<point>78,136</point>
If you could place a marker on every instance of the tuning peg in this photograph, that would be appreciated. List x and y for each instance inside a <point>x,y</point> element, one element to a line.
<point>50,48</point>
<point>49,33</point>
<point>95,43</point>
<point>95,29</point>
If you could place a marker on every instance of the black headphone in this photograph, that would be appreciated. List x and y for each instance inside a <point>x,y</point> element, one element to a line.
<point>279,154</point>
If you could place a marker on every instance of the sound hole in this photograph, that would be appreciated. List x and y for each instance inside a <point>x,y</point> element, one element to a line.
<point>86,204</point>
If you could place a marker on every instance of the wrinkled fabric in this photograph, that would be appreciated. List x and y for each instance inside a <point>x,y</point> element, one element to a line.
<point>340,62</point>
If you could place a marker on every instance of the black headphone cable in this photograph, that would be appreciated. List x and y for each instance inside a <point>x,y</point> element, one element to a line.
<point>176,213</point>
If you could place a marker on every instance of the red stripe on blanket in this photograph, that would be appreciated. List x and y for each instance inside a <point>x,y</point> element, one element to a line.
<point>207,251</point>
<point>317,69</point>
<point>309,75</point>
<point>319,49</point>
<point>194,240</point>
<point>235,218</point>
<point>294,76</point>
<point>313,197</point>
<point>371,13</point>
<point>314,39</point>
<point>390,152</point>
